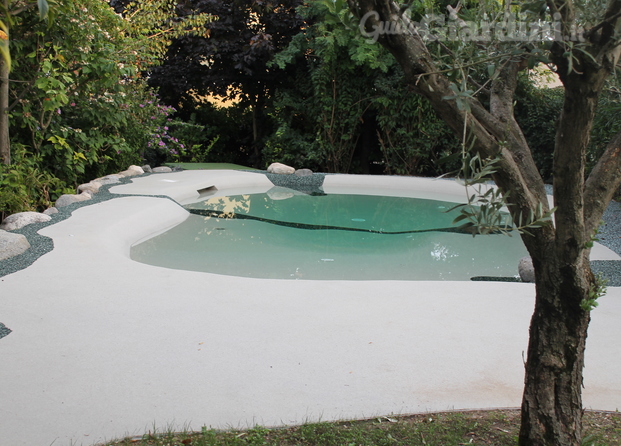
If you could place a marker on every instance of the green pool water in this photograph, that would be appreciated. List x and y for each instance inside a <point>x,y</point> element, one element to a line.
<point>290,235</point>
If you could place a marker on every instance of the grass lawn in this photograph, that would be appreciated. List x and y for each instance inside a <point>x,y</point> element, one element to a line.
<point>496,427</point>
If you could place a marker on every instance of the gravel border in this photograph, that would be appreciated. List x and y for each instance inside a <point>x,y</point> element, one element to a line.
<point>609,235</point>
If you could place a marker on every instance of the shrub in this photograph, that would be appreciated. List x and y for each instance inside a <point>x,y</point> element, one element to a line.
<point>25,187</point>
<point>537,110</point>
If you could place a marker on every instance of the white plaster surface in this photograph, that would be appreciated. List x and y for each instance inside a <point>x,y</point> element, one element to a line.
<point>104,347</point>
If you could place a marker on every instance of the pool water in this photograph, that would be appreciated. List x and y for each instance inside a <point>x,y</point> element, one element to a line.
<point>291,235</point>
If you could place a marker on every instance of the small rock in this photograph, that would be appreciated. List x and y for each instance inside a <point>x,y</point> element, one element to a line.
<point>67,199</point>
<point>50,211</point>
<point>108,179</point>
<point>21,219</point>
<point>281,169</point>
<point>12,245</point>
<point>92,188</point>
<point>303,172</point>
<point>526,270</point>
<point>147,168</point>
<point>161,169</point>
<point>131,171</point>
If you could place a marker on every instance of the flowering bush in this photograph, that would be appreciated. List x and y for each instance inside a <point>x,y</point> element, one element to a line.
<point>80,106</point>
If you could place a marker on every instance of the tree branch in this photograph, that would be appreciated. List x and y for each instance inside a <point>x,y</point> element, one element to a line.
<point>488,135</point>
<point>602,183</point>
<point>601,24</point>
<point>613,12</point>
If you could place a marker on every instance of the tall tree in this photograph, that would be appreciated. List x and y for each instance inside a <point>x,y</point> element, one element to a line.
<point>566,289</point>
<point>230,58</point>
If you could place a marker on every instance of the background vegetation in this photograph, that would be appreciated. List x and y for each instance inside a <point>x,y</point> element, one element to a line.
<point>100,87</point>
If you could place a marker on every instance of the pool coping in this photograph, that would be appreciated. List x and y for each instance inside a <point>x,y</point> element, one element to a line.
<point>103,346</point>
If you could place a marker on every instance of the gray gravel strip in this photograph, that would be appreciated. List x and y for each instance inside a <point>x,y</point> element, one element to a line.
<point>609,233</point>
<point>4,330</point>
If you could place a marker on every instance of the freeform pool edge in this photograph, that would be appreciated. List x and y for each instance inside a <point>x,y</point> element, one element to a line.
<point>609,235</point>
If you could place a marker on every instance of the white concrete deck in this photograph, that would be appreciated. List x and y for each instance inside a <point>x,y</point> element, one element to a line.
<point>104,347</point>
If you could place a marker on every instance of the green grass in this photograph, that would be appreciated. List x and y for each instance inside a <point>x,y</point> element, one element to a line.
<point>498,428</point>
<point>209,166</point>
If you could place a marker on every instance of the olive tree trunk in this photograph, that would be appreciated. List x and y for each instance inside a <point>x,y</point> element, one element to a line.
<point>552,400</point>
<point>552,404</point>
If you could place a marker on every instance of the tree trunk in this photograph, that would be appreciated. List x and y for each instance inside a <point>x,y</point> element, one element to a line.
<point>258,128</point>
<point>5,145</point>
<point>552,401</point>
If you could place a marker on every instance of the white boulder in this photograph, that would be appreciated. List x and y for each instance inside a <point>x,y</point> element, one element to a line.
<point>303,172</point>
<point>12,244</point>
<point>67,199</point>
<point>109,179</point>
<point>281,169</point>
<point>161,169</point>
<point>50,211</point>
<point>131,171</point>
<point>21,219</point>
<point>92,187</point>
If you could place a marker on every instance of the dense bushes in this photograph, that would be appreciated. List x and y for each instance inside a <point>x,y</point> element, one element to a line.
<point>79,108</point>
<point>348,110</point>
<point>537,110</point>
<point>25,186</point>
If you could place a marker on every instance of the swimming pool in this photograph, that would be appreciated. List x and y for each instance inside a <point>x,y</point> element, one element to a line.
<point>285,234</point>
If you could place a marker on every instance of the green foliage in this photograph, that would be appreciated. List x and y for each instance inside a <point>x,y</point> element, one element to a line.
<point>195,147</point>
<point>24,186</point>
<point>537,110</point>
<point>593,237</point>
<point>11,8</point>
<point>224,134</point>
<point>411,136</point>
<point>348,109</point>
<point>484,212</point>
<point>79,103</point>
<point>331,102</point>
<point>606,124</point>
<point>597,290</point>
<point>70,99</point>
<point>153,26</point>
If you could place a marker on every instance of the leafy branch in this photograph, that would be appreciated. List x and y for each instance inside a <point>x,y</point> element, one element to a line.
<point>598,289</point>
<point>484,212</point>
